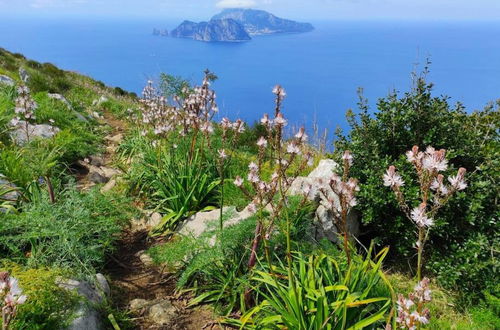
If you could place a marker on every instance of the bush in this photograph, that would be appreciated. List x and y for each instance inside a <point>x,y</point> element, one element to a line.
<point>465,234</point>
<point>75,233</point>
<point>48,306</point>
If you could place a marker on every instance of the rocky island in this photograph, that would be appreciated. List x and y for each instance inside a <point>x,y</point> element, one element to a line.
<point>236,25</point>
<point>227,30</point>
<point>257,22</point>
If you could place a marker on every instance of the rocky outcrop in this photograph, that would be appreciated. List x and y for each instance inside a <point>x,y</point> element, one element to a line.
<point>256,22</point>
<point>21,133</point>
<point>227,30</point>
<point>160,312</point>
<point>324,222</point>
<point>86,315</point>
<point>6,80</point>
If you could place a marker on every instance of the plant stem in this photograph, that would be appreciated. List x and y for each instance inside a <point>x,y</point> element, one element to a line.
<point>50,188</point>
<point>420,250</point>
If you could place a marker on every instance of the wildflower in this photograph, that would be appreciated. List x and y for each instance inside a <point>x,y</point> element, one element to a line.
<point>253,177</point>
<point>262,142</point>
<point>252,207</point>
<point>238,182</point>
<point>207,127</point>
<point>265,120</point>
<point>301,135</point>
<point>419,215</point>
<point>292,148</point>
<point>414,155</point>
<point>15,121</point>
<point>279,91</point>
<point>280,121</point>
<point>458,181</point>
<point>347,157</point>
<point>438,185</point>
<point>392,178</point>
<point>435,160</point>
<point>222,154</point>
<point>253,167</point>
<point>225,123</point>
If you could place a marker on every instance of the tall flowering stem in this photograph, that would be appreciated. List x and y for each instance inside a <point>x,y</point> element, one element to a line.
<point>339,196</point>
<point>25,110</point>
<point>435,192</point>
<point>289,158</point>
<point>11,296</point>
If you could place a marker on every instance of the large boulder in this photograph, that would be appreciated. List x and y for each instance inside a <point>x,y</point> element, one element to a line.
<point>21,133</point>
<point>11,196</point>
<point>201,222</point>
<point>324,222</point>
<point>6,80</point>
<point>87,317</point>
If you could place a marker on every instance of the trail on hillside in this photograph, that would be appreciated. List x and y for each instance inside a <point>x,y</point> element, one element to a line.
<point>132,275</point>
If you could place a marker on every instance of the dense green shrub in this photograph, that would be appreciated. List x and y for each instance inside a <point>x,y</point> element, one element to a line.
<point>75,233</point>
<point>465,237</point>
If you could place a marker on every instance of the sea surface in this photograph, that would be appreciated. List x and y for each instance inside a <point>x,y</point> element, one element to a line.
<point>321,71</point>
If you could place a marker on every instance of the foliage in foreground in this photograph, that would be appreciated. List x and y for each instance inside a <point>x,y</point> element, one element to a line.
<point>74,233</point>
<point>465,237</point>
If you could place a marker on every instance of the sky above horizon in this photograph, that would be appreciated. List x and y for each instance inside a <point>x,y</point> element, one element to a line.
<point>297,9</point>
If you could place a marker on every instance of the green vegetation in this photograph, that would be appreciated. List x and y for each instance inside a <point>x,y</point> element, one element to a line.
<point>266,270</point>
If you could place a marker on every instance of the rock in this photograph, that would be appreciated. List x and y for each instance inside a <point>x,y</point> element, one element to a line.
<point>86,315</point>
<point>96,160</point>
<point>108,186</point>
<point>325,227</point>
<point>324,220</point>
<point>61,98</point>
<point>137,305</point>
<point>145,259</point>
<point>44,131</point>
<point>100,101</point>
<point>118,138</point>
<point>6,80</point>
<point>23,74</point>
<point>86,318</point>
<point>12,196</point>
<point>109,172</point>
<point>154,220</point>
<point>102,284</point>
<point>197,224</point>
<point>96,177</point>
<point>162,313</point>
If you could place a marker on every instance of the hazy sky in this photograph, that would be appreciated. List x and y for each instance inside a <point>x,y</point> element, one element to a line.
<point>305,9</point>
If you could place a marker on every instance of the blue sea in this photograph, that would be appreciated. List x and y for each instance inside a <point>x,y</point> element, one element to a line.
<point>321,71</point>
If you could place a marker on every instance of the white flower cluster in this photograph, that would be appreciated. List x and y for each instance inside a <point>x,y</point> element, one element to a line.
<point>12,297</point>
<point>25,106</point>
<point>411,313</point>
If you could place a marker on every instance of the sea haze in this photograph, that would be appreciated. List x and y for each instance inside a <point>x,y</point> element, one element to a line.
<point>320,71</point>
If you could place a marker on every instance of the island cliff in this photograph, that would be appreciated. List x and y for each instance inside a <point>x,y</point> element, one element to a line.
<point>215,30</point>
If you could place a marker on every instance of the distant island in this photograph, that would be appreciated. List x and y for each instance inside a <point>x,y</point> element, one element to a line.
<point>237,25</point>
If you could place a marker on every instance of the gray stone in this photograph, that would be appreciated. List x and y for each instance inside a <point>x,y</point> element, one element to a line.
<point>325,222</point>
<point>20,132</point>
<point>61,98</point>
<point>154,220</point>
<point>162,313</point>
<point>115,138</point>
<point>96,177</point>
<point>24,75</point>
<point>6,80</point>
<point>108,186</point>
<point>137,305</point>
<point>145,259</point>
<point>96,160</point>
<point>197,224</point>
<point>102,284</point>
<point>100,101</point>
<point>109,172</point>
<point>12,196</point>
<point>87,318</point>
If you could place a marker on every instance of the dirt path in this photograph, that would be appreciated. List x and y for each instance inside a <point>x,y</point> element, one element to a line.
<point>131,274</point>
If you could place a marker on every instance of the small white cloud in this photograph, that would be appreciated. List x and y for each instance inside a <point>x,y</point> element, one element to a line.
<point>236,4</point>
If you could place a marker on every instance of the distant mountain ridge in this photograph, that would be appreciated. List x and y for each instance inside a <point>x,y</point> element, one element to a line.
<point>236,25</point>
<point>257,22</point>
